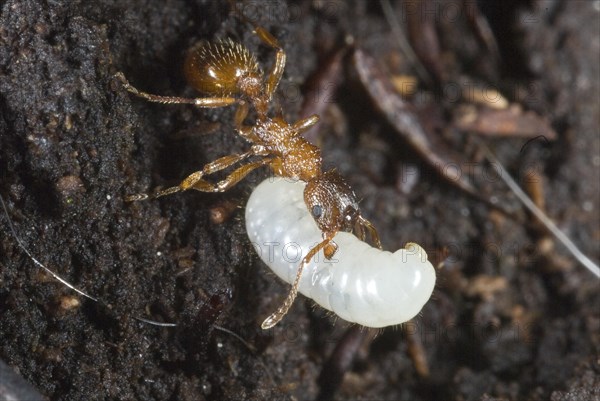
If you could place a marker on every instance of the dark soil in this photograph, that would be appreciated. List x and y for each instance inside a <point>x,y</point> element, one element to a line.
<point>514,315</point>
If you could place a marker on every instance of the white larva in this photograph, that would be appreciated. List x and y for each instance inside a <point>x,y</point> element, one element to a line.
<point>361,284</point>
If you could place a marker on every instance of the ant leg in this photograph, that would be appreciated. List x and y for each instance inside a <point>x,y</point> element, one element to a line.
<point>303,125</point>
<point>279,65</point>
<point>207,102</point>
<point>330,250</point>
<point>276,317</point>
<point>236,176</point>
<point>194,178</point>
<point>245,131</point>
<point>372,231</point>
<point>277,70</point>
<point>240,115</point>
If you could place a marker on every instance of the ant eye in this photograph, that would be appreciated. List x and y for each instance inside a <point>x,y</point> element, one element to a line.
<point>317,211</point>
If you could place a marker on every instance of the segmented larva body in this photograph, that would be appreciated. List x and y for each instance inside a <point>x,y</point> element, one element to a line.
<point>360,284</point>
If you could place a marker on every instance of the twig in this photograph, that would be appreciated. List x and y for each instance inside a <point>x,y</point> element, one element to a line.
<point>545,220</point>
<point>62,280</point>
<point>405,47</point>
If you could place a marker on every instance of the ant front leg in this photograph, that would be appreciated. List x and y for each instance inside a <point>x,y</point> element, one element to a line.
<point>276,317</point>
<point>196,181</point>
<point>206,102</point>
<point>330,248</point>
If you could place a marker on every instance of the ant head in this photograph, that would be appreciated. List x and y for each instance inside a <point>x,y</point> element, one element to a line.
<point>331,202</point>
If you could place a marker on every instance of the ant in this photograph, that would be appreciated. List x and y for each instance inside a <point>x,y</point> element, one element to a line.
<point>229,74</point>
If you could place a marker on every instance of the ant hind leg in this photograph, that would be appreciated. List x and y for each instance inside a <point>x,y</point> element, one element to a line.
<point>206,102</point>
<point>277,70</point>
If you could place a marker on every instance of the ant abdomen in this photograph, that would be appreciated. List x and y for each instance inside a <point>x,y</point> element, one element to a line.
<point>222,68</point>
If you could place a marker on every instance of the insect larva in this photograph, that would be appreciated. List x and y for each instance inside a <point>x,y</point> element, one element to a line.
<point>360,284</point>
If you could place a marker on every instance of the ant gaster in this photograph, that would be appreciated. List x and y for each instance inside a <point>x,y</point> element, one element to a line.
<point>228,73</point>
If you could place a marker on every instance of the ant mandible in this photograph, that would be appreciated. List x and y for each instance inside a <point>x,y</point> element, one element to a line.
<point>229,74</point>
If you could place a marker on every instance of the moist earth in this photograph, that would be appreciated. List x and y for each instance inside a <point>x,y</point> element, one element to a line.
<point>513,317</point>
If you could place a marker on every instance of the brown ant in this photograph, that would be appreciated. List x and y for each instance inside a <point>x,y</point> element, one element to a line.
<point>229,73</point>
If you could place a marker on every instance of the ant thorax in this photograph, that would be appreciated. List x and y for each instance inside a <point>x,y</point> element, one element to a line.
<point>293,156</point>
